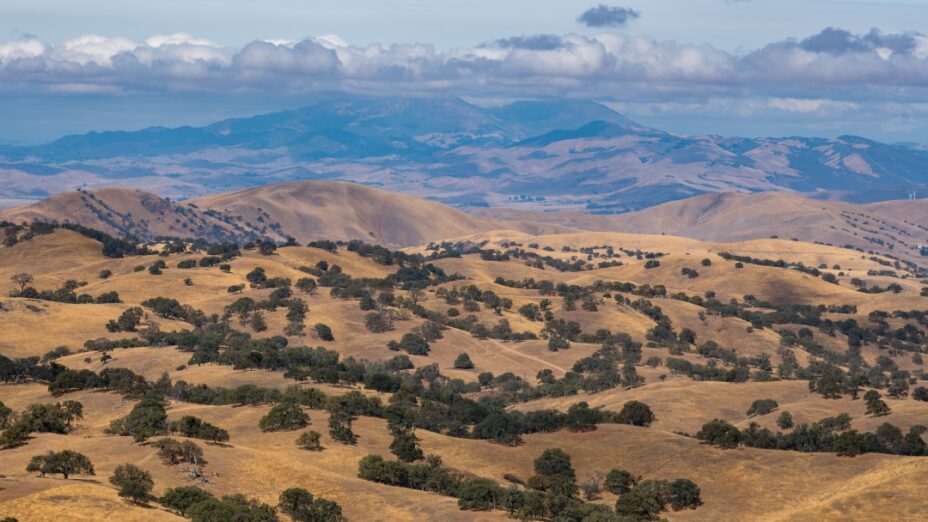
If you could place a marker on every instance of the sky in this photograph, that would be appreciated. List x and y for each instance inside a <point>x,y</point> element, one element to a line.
<point>730,67</point>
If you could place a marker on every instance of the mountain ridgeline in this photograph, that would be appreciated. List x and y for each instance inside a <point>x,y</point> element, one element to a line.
<point>550,154</point>
<point>317,210</point>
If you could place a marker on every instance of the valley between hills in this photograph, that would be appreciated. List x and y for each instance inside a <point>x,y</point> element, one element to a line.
<point>722,357</point>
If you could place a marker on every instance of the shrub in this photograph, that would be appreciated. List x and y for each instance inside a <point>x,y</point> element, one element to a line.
<point>405,446</point>
<point>133,482</point>
<point>182,498</point>
<point>303,507</point>
<point>619,482</point>
<point>414,344</point>
<point>480,494</point>
<point>175,452</point>
<point>635,413</point>
<point>324,332</point>
<point>285,416</point>
<point>147,419</point>
<point>310,441</point>
<point>644,502</point>
<point>719,433</point>
<point>378,322</point>
<point>762,407</point>
<point>340,427</point>
<point>194,427</point>
<point>231,508</point>
<point>463,362</point>
<point>683,494</point>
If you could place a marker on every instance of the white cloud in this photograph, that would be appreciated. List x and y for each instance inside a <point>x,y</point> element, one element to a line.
<point>793,74</point>
<point>809,106</point>
<point>91,48</point>
<point>21,49</point>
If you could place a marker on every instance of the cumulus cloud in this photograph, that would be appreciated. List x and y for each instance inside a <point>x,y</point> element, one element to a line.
<point>848,66</point>
<point>607,16</point>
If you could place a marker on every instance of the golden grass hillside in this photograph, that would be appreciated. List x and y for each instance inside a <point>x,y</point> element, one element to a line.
<point>546,321</point>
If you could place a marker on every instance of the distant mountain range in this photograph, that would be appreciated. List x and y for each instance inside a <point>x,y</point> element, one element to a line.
<point>549,155</point>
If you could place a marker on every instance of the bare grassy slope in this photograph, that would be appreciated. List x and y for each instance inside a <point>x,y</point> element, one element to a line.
<point>120,212</point>
<point>732,216</point>
<point>336,210</point>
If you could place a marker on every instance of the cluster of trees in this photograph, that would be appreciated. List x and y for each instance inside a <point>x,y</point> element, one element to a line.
<point>127,321</point>
<point>200,505</point>
<point>111,246</point>
<point>285,416</point>
<point>176,452</point>
<point>38,418</point>
<point>64,294</point>
<point>552,493</point>
<point>832,434</point>
<point>194,427</point>
<point>147,418</point>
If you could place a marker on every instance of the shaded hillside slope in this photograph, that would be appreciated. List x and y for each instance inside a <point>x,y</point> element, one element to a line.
<point>304,210</point>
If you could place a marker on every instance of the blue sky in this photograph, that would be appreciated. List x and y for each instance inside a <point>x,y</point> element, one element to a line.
<point>750,67</point>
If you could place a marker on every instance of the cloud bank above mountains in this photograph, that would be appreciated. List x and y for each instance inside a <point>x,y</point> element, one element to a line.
<point>833,64</point>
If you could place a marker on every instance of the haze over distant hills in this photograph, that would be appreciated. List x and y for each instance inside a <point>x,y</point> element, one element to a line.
<point>314,210</point>
<point>552,155</point>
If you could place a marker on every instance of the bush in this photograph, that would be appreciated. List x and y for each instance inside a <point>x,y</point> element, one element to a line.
<point>480,494</point>
<point>340,428</point>
<point>175,452</point>
<point>635,413</point>
<point>310,441</point>
<point>684,494</point>
<point>285,416</point>
<point>194,427</point>
<point>463,362</point>
<point>405,446</point>
<point>324,332</point>
<point>719,433</point>
<point>762,407</point>
<point>147,419</point>
<point>414,344</point>
<point>303,507</point>
<point>182,498</point>
<point>920,393</point>
<point>133,482</point>
<point>644,502</point>
<point>378,322</point>
<point>619,482</point>
<point>231,508</point>
<point>554,474</point>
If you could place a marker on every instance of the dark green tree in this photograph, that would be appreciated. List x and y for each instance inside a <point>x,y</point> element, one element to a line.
<point>133,482</point>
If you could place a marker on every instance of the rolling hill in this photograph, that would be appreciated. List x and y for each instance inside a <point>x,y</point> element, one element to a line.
<point>305,210</point>
<point>894,228</point>
<point>749,361</point>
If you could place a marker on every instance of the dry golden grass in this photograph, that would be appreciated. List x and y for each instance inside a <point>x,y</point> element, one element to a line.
<point>744,484</point>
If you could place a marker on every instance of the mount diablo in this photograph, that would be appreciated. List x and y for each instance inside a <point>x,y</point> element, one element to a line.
<point>554,154</point>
